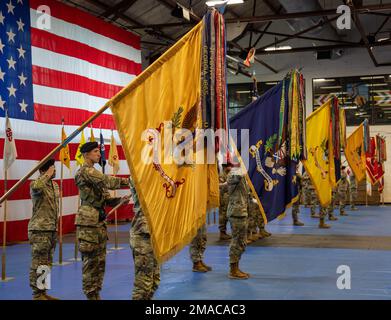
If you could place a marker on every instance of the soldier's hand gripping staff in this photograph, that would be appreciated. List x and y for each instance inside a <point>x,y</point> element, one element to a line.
<point>237,213</point>
<point>42,227</point>
<point>90,219</point>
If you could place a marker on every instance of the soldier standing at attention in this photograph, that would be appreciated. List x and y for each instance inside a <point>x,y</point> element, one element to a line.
<point>237,213</point>
<point>146,267</point>
<point>352,191</point>
<point>330,209</point>
<point>90,219</point>
<point>42,227</point>
<point>253,212</point>
<point>224,202</point>
<point>310,194</point>
<point>296,205</point>
<point>197,249</point>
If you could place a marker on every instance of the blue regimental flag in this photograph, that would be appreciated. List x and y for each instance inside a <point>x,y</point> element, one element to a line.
<point>271,173</point>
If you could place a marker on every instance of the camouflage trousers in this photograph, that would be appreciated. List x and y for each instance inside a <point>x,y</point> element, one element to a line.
<point>239,237</point>
<point>42,244</point>
<point>92,246</point>
<point>323,212</point>
<point>146,267</point>
<point>260,222</point>
<point>252,221</point>
<point>341,199</point>
<point>223,217</point>
<point>295,211</point>
<point>331,207</point>
<point>313,202</point>
<point>198,245</point>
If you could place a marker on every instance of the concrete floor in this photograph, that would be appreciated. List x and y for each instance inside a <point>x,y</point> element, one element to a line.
<point>295,263</point>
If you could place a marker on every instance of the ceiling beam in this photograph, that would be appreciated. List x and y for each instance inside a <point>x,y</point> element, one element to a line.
<point>119,6</point>
<point>320,23</point>
<point>364,38</point>
<point>293,36</point>
<point>318,48</point>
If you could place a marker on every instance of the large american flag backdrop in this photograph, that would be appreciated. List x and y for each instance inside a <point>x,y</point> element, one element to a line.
<point>65,72</point>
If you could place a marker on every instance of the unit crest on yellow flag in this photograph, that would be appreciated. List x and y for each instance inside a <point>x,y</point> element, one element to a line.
<point>113,155</point>
<point>355,154</point>
<point>65,157</point>
<point>320,160</point>
<point>173,197</point>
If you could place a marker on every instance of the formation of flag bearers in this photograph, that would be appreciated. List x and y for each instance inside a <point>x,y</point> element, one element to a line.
<point>171,200</point>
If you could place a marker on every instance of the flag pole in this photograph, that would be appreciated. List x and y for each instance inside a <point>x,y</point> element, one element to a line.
<point>61,194</point>
<point>3,255</point>
<point>16,186</point>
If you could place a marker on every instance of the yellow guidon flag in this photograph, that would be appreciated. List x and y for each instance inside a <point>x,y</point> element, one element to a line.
<point>113,155</point>
<point>79,156</point>
<point>355,154</point>
<point>174,197</point>
<point>65,157</point>
<point>92,138</point>
<point>320,160</point>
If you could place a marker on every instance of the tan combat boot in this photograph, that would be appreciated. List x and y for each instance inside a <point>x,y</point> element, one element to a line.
<point>298,223</point>
<point>224,236</point>
<point>254,237</point>
<point>332,217</point>
<point>50,297</point>
<point>199,267</point>
<point>264,233</point>
<point>323,225</point>
<point>209,268</point>
<point>249,239</point>
<point>236,273</point>
<point>40,296</point>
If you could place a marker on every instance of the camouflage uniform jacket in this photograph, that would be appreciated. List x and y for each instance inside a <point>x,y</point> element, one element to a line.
<point>45,195</point>
<point>93,187</point>
<point>238,195</point>
<point>223,187</point>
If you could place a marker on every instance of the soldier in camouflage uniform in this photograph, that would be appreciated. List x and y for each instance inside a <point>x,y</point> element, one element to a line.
<point>330,209</point>
<point>352,191</point>
<point>42,227</point>
<point>146,267</point>
<point>296,205</point>
<point>237,213</point>
<point>310,196</point>
<point>90,219</point>
<point>343,186</point>
<point>197,249</point>
<point>224,202</point>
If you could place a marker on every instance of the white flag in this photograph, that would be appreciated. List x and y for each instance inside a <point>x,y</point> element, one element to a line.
<point>10,153</point>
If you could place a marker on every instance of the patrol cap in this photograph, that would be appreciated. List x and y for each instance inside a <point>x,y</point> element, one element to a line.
<point>47,165</point>
<point>88,146</point>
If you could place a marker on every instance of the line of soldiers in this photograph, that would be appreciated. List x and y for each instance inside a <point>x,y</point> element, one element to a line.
<point>339,197</point>
<point>91,229</point>
<point>237,206</point>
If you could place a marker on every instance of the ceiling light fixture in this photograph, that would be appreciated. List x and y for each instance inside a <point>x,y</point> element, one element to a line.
<point>213,3</point>
<point>278,48</point>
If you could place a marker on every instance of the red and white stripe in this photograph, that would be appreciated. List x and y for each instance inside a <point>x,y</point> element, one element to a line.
<point>78,65</point>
